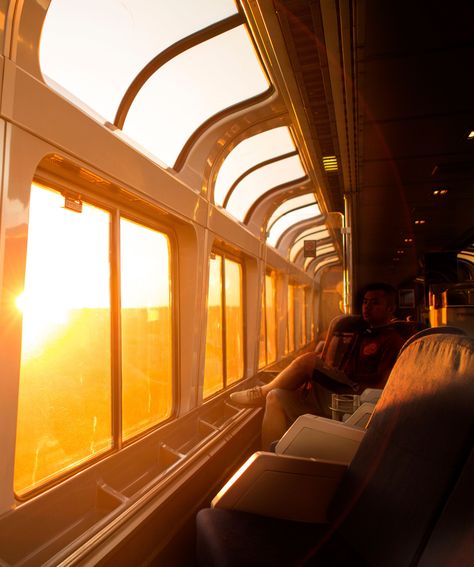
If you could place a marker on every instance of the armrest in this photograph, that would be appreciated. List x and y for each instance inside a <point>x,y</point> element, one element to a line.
<point>360,418</point>
<point>321,438</point>
<point>282,486</point>
<point>371,395</point>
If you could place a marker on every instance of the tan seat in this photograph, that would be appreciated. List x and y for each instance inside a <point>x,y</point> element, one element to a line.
<point>409,462</point>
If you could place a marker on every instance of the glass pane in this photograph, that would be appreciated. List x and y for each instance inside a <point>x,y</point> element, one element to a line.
<point>314,233</point>
<point>191,88</point>
<point>270,311</point>
<point>294,217</point>
<point>262,180</point>
<point>147,395</point>
<point>247,154</point>
<point>95,48</point>
<point>290,205</point>
<point>291,318</point>
<point>301,317</point>
<point>309,314</point>
<point>262,345</point>
<point>296,249</point>
<point>234,321</point>
<point>214,372</point>
<point>324,249</point>
<point>64,413</point>
<point>318,264</point>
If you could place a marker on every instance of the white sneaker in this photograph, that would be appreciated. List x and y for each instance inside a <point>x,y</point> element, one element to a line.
<point>252,397</point>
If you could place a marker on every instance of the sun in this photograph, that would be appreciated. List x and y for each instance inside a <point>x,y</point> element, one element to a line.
<point>43,317</point>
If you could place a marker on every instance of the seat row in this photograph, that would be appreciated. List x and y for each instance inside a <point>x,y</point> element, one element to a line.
<point>399,493</point>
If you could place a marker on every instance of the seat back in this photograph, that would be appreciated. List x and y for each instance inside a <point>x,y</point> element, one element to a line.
<point>410,458</point>
<point>341,338</point>
<point>448,330</point>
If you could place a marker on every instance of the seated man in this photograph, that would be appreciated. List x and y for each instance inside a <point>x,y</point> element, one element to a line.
<point>306,385</point>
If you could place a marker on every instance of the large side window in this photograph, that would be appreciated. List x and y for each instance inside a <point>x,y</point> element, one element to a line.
<point>146,327</point>
<point>70,369</point>
<point>309,314</point>
<point>268,340</point>
<point>262,345</point>
<point>301,316</point>
<point>234,319</point>
<point>64,413</point>
<point>224,362</point>
<point>270,313</point>
<point>290,329</point>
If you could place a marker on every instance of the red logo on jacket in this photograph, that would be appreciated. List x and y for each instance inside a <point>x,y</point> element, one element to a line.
<point>370,349</point>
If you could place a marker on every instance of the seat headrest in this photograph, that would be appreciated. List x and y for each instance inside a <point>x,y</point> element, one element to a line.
<point>347,324</point>
<point>448,330</point>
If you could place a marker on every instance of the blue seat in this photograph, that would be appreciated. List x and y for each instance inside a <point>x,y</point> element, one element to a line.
<point>391,506</point>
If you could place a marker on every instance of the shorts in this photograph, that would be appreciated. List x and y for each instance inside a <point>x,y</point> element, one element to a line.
<point>315,399</point>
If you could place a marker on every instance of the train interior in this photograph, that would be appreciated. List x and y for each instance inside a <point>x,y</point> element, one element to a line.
<point>191,192</point>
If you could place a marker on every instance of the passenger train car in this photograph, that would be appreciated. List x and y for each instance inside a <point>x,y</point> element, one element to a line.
<point>190,192</point>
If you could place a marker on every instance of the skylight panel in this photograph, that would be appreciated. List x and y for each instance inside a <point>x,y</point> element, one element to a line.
<point>94,48</point>
<point>289,205</point>
<point>313,233</point>
<point>293,217</point>
<point>249,153</point>
<point>321,250</point>
<point>262,180</point>
<point>295,249</point>
<point>318,265</point>
<point>191,88</point>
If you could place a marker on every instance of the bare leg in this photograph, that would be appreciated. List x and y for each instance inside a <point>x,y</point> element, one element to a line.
<point>283,406</point>
<point>275,421</point>
<point>291,378</point>
<point>294,375</point>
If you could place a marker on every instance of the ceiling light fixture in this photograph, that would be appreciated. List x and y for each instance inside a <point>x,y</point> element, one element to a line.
<point>440,191</point>
<point>330,163</point>
<point>420,221</point>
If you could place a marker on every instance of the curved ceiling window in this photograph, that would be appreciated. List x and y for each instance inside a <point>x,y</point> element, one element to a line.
<point>328,256</point>
<point>261,180</point>
<point>317,265</point>
<point>311,234</point>
<point>301,208</point>
<point>103,55</point>
<point>322,250</point>
<point>95,49</point>
<point>249,153</point>
<point>191,88</point>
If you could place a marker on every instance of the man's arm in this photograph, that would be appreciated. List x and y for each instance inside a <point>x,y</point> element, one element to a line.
<point>332,378</point>
<point>361,369</point>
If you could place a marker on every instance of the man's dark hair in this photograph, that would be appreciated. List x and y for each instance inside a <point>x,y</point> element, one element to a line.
<point>388,289</point>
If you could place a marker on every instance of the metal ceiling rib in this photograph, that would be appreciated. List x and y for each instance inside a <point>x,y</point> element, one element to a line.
<point>302,30</point>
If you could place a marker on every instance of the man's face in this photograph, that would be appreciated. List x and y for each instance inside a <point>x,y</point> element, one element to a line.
<point>377,309</point>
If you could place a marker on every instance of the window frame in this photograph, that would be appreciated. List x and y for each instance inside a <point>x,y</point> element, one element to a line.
<point>117,208</point>
<point>290,318</point>
<point>226,254</point>
<point>273,274</point>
